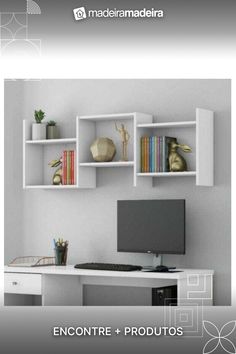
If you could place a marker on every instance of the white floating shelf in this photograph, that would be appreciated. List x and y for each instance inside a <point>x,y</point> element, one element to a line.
<point>108,164</point>
<point>88,128</point>
<point>116,116</point>
<point>69,186</point>
<point>168,125</point>
<point>167,174</point>
<point>51,141</point>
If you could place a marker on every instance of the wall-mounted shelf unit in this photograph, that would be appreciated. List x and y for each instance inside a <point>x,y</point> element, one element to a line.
<point>198,134</point>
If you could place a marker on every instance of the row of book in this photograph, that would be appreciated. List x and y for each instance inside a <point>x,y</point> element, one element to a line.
<point>154,153</point>
<point>68,167</point>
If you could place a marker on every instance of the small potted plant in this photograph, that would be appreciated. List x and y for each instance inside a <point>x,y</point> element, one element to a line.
<point>39,128</point>
<point>52,131</point>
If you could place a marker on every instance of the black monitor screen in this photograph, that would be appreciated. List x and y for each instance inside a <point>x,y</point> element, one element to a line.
<point>152,226</point>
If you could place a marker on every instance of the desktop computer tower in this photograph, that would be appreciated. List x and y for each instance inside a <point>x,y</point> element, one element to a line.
<point>166,296</point>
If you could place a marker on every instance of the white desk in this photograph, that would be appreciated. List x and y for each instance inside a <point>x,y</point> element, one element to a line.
<point>63,285</point>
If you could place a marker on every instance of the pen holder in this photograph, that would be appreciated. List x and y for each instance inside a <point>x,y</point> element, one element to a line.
<point>61,255</point>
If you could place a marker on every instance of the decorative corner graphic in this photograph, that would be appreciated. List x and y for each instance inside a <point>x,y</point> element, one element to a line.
<point>199,286</point>
<point>14,36</point>
<point>219,338</point>
<point>189,316</point>
<point>195,292</point>
<point>33,8</point>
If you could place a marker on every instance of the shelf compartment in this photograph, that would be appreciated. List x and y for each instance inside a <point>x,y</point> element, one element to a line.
<point>90,130</point>
<point>94,126</point>
<point>52,141</point>
<point>168,125</point>
<point>184,135</point>
<point>108,164</point>
<point>37,174</point>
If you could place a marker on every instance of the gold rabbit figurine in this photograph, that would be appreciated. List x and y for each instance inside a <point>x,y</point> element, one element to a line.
<point>57,177</point>
<point>176,162</point>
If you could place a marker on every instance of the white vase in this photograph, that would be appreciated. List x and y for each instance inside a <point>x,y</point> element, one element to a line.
<point>38,131</point>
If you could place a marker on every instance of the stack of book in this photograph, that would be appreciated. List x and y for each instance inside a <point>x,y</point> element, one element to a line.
<point>154,153</point>
<point>68,167</point>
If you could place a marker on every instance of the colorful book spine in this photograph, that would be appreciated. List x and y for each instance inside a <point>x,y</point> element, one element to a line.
<point>164,154</point>
<point>74,166</point>
<point>146,154</point>
<point>72,153</point>
<point>160,154</point>
<point>68,168</point>
<point>150,153</point>
<point>154,155</point>
<point>145,157</point>
<point>166,169</point>
<point>142,154</point>
<point>64,168</point>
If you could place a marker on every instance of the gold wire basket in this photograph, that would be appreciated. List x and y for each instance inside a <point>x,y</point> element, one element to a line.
<point>32,261</point>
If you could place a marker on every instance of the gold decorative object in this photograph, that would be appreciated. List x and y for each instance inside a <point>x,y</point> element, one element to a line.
<point>32,261</point>
<point>176,162</point>
<point>103,150</point>
<point>57,177</point>
<point>124,139</point>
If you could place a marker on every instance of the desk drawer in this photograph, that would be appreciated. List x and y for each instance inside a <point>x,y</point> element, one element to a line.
<point>22,283</point>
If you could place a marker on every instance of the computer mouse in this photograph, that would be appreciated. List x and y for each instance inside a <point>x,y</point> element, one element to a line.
<point>161,268</point>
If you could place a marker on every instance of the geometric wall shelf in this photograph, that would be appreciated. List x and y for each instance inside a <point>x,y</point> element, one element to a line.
<point>198,134</point>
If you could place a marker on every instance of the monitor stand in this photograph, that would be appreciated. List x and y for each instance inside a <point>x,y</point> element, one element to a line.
<point>157,260</point>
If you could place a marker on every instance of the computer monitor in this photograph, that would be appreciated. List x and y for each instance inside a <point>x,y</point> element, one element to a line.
<point>151,226</point>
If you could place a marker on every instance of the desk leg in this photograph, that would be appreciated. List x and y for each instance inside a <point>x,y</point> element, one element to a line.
<point>195,289</point>
<point>62,290</point>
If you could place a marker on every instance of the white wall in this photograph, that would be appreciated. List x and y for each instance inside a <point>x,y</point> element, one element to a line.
<point>13,193</point>
<point>87,218</point>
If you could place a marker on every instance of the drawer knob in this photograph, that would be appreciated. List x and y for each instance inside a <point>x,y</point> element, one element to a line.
<point>14,283</point>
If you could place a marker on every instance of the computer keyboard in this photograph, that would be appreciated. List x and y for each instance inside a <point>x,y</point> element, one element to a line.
<point>109,266</point>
